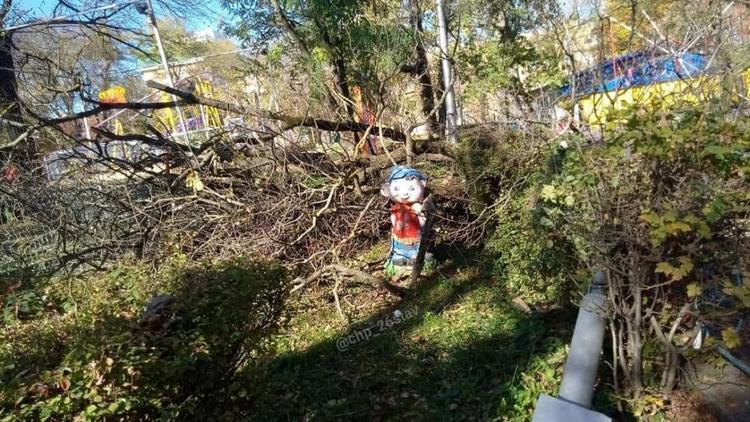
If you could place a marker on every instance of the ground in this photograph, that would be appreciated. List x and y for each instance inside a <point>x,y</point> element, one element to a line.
<point>459,351</point>
<point>459,345</point>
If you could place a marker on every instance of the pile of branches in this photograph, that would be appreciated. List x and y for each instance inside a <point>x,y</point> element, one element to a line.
<point>250,190</point>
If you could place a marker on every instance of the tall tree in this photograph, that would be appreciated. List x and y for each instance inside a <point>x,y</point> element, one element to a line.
<point>8,92</point>
<point>312,28</point>
<point>420,68</point>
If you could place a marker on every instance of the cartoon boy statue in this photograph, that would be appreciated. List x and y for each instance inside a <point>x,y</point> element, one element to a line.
<point>405,187</point>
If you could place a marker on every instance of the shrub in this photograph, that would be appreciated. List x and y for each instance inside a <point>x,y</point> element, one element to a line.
<point>536,263</point>
<point>506,168</point>
<point>105,360</point>
<point>500,160</point>
<point>662,206</point>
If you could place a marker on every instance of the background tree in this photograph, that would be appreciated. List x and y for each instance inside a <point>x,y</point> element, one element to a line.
<point>8,93</point>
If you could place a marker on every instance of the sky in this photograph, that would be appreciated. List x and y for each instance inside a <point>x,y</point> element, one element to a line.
<point>41,9</point>
<point>44,8</point>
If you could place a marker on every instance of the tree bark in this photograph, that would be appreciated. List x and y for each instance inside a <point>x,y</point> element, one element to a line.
<point>9,108</point>
<point>8,88</point>
<point>293,35</point>
<point>8,91</point>
<point>440,92</point>
<point>340,71</point>
<point>421,68</point>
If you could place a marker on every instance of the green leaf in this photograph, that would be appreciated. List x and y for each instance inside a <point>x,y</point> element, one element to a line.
<point>675,273</point>
<point>546,222</point>
<point>651,218</point>
<point>717,151</point>
<point>715,210</point>
<point>665,268</point>
<point>673,228</point>
<point>699,225</point>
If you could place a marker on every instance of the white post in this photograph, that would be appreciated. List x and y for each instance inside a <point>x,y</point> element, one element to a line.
<point>204,117</point>
<point>86,128</point>
<point>165,64</point>
<point>450,100</point>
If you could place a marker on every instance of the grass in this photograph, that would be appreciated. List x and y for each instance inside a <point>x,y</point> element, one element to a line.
<point>459,352</point>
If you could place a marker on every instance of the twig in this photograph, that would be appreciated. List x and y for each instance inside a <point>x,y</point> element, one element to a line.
<point>319,213</point>
<point>353,232</point>
<point>336,298</point>
<point>336,267</point>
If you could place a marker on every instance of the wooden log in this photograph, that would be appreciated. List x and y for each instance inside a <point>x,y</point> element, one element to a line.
<point>425,241</point>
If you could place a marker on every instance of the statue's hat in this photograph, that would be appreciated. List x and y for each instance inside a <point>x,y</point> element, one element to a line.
<point>401,172</point>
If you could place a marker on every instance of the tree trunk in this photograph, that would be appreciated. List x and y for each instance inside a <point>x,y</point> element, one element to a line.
<point>340,71</point>
<point>8,92</point>
<point>441,113</point>
<point>294,36</point>
<point>340,74</point>
<point>9,109</point>
<point>421,68</point>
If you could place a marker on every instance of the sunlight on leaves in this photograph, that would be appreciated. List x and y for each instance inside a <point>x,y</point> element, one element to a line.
<point>194,182</point>
<point>675,273</point>
<point>548,193</point>
<point>731,337</point>
<point>693,290</point>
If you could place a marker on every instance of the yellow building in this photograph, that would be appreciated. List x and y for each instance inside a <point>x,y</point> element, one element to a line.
<point>653,82</point>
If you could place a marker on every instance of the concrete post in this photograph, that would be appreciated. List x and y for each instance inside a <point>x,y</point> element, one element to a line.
<point>579,375</point>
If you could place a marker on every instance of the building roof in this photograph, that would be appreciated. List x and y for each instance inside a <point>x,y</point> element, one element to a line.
<point>637,69</point>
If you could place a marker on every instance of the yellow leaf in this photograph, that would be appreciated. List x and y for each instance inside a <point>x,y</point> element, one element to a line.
<point>741,292</point>
<point>679,274</point>
<point>687,264</point>
<point>548,192</point>
<point>658,401</point>
<point>193,181</point>
<point>675,273</point>
<point>665,268</point>
<point>693,290</point>
<point>678,227</point>
<point>650,218</point>
<point>731,337</point>
<point>699,225</point>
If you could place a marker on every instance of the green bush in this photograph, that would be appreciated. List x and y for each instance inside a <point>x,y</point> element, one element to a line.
<point>507,168</point>
<point>501,160</point>
<point>98,358</point>
<point>662,206</point>
<point>537,264</point>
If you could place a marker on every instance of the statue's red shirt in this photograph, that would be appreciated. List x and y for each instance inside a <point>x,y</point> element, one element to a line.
<point>406,225</point>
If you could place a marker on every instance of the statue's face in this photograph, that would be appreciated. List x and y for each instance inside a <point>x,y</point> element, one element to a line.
<point>406,190</point>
